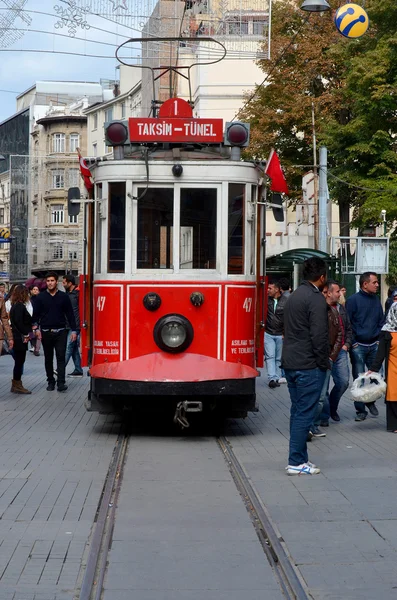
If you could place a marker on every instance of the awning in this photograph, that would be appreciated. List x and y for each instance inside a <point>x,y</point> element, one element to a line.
<point>285,260</point>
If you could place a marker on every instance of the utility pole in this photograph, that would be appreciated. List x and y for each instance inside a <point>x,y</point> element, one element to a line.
<point>315,181</point>
<point>322,202</point>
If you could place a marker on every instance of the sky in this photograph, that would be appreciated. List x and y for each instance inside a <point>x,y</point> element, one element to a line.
<point>34,56</point>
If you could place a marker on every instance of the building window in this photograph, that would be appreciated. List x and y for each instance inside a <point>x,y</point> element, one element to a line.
<point>58,214</point>
<point>73,255</point>
<point>259,27</point>
<point>58,179</point>
<point>2,216</point>
<point>58,142</point>
<point>109,114</point>
<point>95,149</point>
<point>74,177</point>
<point>123,110</point>
<point>95,121</point>
<point>74,141</point>
<point>73,219</point>
<point>57,251</point>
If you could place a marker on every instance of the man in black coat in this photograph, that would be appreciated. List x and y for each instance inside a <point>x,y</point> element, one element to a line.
<point>52,311</point>
<point>305,359</point>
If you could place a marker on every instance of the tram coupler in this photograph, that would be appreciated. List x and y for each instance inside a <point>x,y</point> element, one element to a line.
<point>185,407</point>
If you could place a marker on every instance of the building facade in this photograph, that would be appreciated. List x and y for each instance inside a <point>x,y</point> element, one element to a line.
<point>55,238</point>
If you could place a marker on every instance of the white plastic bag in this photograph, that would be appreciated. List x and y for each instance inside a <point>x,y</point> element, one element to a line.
<point>368,387</point>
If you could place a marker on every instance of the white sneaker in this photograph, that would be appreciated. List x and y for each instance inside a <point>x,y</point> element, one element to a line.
<point>304,469</point>
<point>282,380</point>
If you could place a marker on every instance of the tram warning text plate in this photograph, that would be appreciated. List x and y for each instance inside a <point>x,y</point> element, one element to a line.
<point>207,131</point>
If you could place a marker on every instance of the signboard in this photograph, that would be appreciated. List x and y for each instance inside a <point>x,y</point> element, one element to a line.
<point>171,129</point>
<point>175,107</point>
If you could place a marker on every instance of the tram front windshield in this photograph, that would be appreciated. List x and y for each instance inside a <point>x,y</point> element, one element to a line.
<point>197,228</point>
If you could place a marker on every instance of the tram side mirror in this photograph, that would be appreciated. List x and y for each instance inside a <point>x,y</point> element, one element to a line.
<point>277,207</point>
<point>73,201</point>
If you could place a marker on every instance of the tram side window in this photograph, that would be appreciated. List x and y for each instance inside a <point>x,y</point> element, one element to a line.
<point>155,228</point>
<point>198,228</point>
<point>116,240</point>
<point>235,258</point>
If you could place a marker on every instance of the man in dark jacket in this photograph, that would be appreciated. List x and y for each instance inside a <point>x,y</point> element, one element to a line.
<point>73,348</point>
<point>335,335</point>
<point>340,366</point>
<point>51,312</point>
<point>305,359</point>
<point>274,329</point>
<point>367,318</point>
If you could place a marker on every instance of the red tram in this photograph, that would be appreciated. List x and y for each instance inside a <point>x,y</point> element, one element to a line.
<point>172,296</point>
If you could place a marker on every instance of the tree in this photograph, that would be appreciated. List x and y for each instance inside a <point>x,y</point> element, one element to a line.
<point>351,85</point>
<point>364,146</point>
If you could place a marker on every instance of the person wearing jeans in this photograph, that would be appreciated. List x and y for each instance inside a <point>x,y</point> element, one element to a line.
<point>367,319</point>
<point>340,374</point>
<point>73,352</point>
<point>274,327</point>
<point>335,335</point>
<point>305,360</point>
<point>303,386</point>
<point>73,346</point>
<point>362,357</point>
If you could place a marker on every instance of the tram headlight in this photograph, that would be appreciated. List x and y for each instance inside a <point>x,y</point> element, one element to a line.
<point>173,333</point>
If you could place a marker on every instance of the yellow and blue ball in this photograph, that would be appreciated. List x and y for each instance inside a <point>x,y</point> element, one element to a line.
<point>351,20</point>
<point>5,233</point>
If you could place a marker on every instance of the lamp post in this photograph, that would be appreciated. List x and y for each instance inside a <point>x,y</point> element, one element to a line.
<point>383,215</point>
<point>315,6</point>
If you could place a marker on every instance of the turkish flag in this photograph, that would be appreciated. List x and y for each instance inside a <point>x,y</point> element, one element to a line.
<point>85,172</point>
<point>273,169</point>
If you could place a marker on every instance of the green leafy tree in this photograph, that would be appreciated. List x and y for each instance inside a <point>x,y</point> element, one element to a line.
<point>363,147</point>
<point>351,85</point>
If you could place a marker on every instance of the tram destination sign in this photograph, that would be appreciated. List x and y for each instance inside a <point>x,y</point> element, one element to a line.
<point>172,129</point>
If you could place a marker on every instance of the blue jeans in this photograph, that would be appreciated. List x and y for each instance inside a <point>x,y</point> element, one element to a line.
<point>340,375</point>
<point>304,389</point>
<point>273,350</point>
<point>362,358</point>
<point>72,350</point>
<point>322,412</point>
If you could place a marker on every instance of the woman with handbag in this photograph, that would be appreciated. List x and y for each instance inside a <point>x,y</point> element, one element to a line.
<point>5,329</point>
<point>387,351</point>
<point>21,325</point>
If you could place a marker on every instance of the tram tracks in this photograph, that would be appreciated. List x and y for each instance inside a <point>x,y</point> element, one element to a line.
<point>100,542</point>
<point>94,574</point>
<point>270,542</point>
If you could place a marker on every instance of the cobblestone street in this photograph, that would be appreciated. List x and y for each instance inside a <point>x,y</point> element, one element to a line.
<point>182,530</point>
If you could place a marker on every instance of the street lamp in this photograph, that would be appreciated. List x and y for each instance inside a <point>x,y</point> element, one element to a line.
<point>315,6</point>
<point>383,215</point>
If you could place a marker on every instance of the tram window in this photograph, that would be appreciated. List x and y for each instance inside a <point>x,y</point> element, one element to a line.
<point>98,204</point>
<point>116,248</point>
<point>235,258</point>
<point>155,226</point>
<point>198,228</point>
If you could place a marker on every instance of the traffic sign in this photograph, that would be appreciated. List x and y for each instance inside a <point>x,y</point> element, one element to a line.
<point>171,129</point>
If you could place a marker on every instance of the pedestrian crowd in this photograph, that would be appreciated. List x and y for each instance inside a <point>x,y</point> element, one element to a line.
<point>311,335</point>
<point>40,314</point>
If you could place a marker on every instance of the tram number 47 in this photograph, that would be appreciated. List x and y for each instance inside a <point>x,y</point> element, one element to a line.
<point>100,303</point>
<point>247,305</point>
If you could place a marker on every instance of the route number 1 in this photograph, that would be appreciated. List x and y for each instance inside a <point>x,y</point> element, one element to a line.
<point>247,305</point>
<point>100,303</point>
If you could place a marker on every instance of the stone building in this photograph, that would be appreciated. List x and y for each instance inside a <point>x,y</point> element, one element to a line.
<point>55,238</point>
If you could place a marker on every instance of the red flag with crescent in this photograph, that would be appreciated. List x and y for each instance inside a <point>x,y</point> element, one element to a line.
<point>85,172</point>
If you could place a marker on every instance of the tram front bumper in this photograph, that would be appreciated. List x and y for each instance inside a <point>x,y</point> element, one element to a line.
<point>169,375</point>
